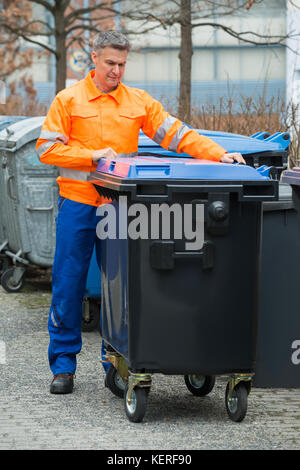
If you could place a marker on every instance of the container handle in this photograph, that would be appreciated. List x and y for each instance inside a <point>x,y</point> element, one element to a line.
<point>163,255</point>
<point>43,209</point>
<point>9,189</point>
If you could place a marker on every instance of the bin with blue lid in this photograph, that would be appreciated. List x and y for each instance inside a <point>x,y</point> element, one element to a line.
<point>278,345</point>
<point>91,304</point>
<point>278,348</point>
<point>180,274</point>
<point>292,177</point>
<point>258,150</point>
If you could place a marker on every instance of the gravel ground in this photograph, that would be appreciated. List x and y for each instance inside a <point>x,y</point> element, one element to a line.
<point>93,418</point>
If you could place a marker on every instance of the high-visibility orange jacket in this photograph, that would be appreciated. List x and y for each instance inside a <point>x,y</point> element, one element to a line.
<point>82,119</point>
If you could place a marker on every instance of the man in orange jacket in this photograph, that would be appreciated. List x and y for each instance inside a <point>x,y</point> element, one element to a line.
<point>97,117</point>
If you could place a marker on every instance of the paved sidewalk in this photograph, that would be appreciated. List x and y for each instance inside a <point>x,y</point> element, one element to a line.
<point>93,418</point>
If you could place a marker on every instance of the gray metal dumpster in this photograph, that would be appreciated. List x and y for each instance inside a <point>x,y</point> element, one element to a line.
<point>28,193</point>
<point>5,121</point>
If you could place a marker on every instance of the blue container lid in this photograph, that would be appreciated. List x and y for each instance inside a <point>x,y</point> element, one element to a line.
<point>291,176</point>
<point>255,144</point>
<point>150,167</point>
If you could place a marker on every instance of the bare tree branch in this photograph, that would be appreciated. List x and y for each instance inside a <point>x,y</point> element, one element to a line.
<point>78,12</point>
<point>45,4</point>
<point>271,40</point>
<point>32,41</point>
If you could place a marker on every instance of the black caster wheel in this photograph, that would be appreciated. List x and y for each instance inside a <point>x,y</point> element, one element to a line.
<point>136,409</point>
<point>200,385</point>
<point>8,283</point>
<point>248,386</point>
<point>4,264</point>
<point>114,382</point>
<point>91,316</point>
<point>237,406</point>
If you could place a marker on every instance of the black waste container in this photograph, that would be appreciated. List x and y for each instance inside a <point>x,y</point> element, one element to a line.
<point>292,177</point>
<point>171,307</point>
<point>278,348</point>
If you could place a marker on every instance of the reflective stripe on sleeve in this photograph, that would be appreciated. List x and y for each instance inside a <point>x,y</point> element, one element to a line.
<point>54,136</point>
<point>45,146</point>
<point>83,175</point>
<point>73,174</point>
<point>163,129</point>
<point>177,138</point>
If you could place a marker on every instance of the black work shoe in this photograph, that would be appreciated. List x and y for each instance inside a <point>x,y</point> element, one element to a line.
<point>62,383</point>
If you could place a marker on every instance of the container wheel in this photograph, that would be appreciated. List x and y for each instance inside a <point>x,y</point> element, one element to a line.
<point>91,316</point>
<point>4,264</point>
<point>248,386</point>
<point>114,382</point>
<point>136,409</point>
<point>8,283</point>
<point>237,406</point>
<point>200,385</point>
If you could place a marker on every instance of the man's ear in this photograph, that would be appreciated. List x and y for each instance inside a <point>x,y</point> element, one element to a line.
<point>94,57</point>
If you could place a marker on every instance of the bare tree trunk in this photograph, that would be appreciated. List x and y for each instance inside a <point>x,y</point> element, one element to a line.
<point>61,52</point>
<point>185,56</point>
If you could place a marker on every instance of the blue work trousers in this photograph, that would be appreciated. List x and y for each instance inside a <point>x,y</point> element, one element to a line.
<point>75,240</point>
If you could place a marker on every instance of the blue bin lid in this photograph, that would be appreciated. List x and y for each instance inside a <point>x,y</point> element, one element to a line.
<point>150,167</point>
<point>291,176</point>
<point>258,143</point>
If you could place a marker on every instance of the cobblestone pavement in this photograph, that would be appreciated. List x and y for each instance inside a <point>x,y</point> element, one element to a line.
<point>93,418</point>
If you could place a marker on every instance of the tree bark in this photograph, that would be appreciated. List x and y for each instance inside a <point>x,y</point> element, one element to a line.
<point>60,47</point>
<point>185,56</point>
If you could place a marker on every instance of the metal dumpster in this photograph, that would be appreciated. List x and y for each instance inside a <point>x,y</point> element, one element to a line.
<point>29,194</point>
<point>5,122</point>
<point>170,306</point>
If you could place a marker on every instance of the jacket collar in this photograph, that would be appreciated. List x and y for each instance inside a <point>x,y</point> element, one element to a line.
<point>93,91</point>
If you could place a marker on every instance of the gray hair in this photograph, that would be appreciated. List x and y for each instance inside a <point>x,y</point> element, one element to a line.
<point>111,38</point>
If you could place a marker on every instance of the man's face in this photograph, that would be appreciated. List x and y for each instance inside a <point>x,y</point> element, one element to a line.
<point>109,67</point>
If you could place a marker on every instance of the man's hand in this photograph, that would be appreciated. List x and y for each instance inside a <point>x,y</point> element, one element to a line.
<point>232,157</point>
<point>104,153</point>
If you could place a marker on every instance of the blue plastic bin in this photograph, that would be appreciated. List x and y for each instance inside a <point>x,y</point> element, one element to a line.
<point>258,150</point>
<point>278,346</point>
<point>292,177</point>
<point>171,308</point>
<point>92,299</point>
<point>93,285</point>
